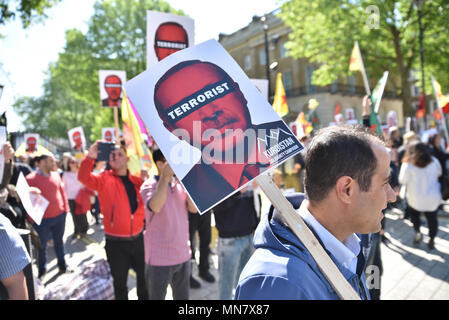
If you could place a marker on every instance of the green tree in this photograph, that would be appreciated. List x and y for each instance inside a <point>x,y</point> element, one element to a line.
<point>324,31</point>
<point>115,40</point>
<point>29,10</point>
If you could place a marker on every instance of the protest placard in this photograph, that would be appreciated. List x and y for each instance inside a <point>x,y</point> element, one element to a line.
<point>108,134</point>
<point>111,82</point>
<point>77,138</point>
<point>34,204</point>
<point>167,33</point>
<point>215,128</point>
<point>31,142</point>
<point>262,85</point>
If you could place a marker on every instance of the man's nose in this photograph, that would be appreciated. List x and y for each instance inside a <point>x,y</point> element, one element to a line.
<point>210,112</point>
<point>391,194</point>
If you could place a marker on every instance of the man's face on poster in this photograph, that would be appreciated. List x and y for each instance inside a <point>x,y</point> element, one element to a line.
<point>31,143</point>
<point>77,139</point>
<point>113,87</point>
<point>170,37</point>
<point>108,136</point>
<point>201,99</point>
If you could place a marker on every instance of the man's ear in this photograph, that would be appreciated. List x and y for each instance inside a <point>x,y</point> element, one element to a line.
<point>345,188</point>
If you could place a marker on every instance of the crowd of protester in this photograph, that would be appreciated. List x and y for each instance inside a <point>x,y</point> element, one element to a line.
<point>150,223</point>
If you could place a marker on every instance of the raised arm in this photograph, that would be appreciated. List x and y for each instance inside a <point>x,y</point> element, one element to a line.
<point>157,201</point>
<point>85,174</point>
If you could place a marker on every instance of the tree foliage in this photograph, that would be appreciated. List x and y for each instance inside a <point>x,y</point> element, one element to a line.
<point>324,31</point>
<point>115,40</point>
<point>29,10</point>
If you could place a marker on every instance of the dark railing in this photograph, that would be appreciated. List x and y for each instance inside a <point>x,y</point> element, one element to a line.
<point>343,89</point>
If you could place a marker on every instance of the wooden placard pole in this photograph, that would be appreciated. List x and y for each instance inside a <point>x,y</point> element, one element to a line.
<point>300,229</point>
<point>117,130</point>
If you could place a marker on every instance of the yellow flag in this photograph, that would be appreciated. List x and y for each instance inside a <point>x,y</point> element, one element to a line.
<point>131,129</point>
<point>355,64</point>
<point>280,99</point>
<point>303,127</point>
<point>442,99</point>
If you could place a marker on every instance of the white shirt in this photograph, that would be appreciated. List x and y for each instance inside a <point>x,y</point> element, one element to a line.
<point>71,184</point>
<point>423,191</point>
<point>345,252</point>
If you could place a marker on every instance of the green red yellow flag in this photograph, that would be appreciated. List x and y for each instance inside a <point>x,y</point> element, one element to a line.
<point>443,100</point>
<point>303,127</point>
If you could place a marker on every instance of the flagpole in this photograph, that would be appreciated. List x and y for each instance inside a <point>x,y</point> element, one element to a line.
<point>441,111</point>
<point>365,78</point>
<point>376,108</point>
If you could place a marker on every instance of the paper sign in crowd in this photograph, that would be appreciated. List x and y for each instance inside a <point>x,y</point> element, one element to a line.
<point>34,204</point>
<point>215,128</point>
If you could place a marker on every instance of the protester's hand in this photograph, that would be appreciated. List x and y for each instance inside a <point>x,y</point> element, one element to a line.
<point>167,173</point>
<point>190,206</point>
<point>35,190</point>
<point>93,151</point>
<point>8,151</point>
<point>366,105</point>
<point>144,174</point>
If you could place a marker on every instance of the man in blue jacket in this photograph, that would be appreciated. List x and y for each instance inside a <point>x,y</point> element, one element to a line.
<point>347,187</point>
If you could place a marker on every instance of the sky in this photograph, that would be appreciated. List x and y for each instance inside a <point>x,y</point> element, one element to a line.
<point>26,54</point>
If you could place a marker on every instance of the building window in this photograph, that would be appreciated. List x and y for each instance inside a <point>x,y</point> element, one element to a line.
<point>247,62</point>
<point>262,57</point>
<point>334,86</point>
<point>283,50</point>
<point>351,84</point>
<point>287,81</point>
<point>309,73</point>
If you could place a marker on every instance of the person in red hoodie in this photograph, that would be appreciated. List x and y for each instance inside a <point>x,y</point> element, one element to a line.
<point>123,217</point>
<point>53,222</point>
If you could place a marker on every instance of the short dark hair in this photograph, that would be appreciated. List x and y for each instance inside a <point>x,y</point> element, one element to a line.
<point>41,157</point>
<point>339,151</point>
<point>158,156</point>
<point>419,154</point>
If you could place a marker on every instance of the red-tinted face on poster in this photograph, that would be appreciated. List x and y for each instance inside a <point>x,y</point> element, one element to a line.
<point>197,94</point>
<point>108,136</point>
<point>170,37</point>
<point>113,87</point>
<point>77,139</point>
<point>31,143</point>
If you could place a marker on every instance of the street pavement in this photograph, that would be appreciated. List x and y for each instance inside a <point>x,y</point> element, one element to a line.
<point>410,272</point>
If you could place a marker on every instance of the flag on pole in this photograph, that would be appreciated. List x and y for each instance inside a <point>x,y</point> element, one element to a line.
<point>131,129</point>
<point>303,127</point>
<point>312,116</point>
<point>443,104</point>
<point>374,122</point>
<point>313,119</point>
<point>280,99</point>
<point>443,101</point>
<point>356,64</point>
<point>437,114</point>
<point>337,109</point>
<point>139,155</point>
<point>378,91</point>
<point>313,104</point>
<point>421,112</point>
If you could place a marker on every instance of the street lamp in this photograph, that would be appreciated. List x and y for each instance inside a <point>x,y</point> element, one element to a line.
<point>267,67</point>
<point>1,90</point>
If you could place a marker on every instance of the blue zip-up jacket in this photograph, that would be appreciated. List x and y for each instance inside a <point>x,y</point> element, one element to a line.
<point>281,268</point>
